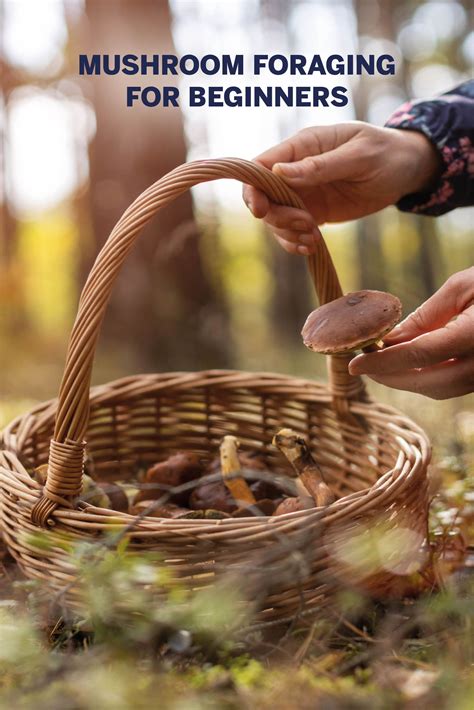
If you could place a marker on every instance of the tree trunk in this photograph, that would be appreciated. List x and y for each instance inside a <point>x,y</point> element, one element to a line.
<point>371,261</point>
<point>12,317</point>
<point>163,307</point>
<point>292,297</point>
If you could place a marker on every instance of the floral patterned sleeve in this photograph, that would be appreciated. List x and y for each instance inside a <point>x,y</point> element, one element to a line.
<point>448,122</point>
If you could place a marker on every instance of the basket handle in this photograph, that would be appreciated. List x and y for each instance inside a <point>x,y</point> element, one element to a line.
<point>65,465</point>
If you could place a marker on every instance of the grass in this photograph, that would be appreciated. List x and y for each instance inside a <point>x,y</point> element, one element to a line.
<point>146,642</point>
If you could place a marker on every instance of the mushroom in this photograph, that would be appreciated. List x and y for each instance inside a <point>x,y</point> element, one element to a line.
<point>309,474</point>
<point>292,504</point>
<point>265,506</point>
<point>91,492</point>
<point>265,489</point>
<point>214,496</point>
<point>116,494</point>
<point>230,465</point>
<point>355,321</point>
<point>253,463</point>
<point>161,478</point>
<point>40,473</point>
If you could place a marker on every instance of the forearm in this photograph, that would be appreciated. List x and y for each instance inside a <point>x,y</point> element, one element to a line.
<point>448,123</point>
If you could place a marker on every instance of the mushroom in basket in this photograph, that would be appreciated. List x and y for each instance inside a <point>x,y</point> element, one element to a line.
<point>237,485</point>
<point>313,488</point>
<point>230,468</point>
<point>215,494</point>
<point>232,494</point>
<point>166,476</point>
<point>355,321</point>
<point>93,492</point>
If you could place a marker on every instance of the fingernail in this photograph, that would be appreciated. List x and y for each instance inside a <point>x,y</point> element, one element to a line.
<point>287,169</point>
<point>303,250</point>
<point>300,225</point>
<point>395,334</point>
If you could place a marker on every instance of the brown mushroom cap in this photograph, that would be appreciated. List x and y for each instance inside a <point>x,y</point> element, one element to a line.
<point>293,504</point>
<point>351,322</point>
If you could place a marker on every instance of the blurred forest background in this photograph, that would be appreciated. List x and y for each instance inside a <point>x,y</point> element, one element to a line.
<point>204,287</point>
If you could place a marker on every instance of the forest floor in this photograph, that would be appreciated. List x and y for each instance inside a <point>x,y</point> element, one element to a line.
<point>191,653</point>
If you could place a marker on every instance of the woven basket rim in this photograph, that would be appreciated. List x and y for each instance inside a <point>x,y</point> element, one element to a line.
<point>212,376</point>
<point>45,411</point>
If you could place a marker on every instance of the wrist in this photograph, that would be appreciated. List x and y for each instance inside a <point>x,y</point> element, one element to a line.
<point>423,162</point>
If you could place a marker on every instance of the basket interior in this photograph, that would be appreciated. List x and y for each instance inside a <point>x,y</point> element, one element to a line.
<point>140,421</point>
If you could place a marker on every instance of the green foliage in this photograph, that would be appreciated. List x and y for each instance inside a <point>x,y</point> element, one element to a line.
<point>22,652</point>
<point>144,639</point>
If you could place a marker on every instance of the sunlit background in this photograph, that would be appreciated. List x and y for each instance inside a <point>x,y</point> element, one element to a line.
<point>205,286</point>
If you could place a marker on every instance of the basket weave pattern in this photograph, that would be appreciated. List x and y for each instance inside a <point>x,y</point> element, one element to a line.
<point>374,458</point>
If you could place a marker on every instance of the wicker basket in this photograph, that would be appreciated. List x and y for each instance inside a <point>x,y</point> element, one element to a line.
<point>374,458</point>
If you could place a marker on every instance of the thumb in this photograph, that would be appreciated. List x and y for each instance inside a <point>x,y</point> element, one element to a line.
<point>338,164</point>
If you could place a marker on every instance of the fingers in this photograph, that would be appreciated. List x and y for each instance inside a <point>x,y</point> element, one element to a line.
<point>313,156</point>
<point>290,149</point>
<point>294,148</point>
<point>430,353</point>
<point>448,379</point>
<point>448,301</point>
<point>309,141</point>
<point>292,247</point>
<point>342,163</point>
<point>293,228</point>
<point>455,340</point>
<point>256,200</point>
<point>279,216</point>
<point>291,218</point>
<point>296,243</point>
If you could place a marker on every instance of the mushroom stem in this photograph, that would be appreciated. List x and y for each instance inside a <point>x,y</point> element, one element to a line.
<point>374,347</point>
<point>230,465</point>
<point>310,475</point>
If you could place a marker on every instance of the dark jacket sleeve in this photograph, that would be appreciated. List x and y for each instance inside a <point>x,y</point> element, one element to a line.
<point>448,122</point>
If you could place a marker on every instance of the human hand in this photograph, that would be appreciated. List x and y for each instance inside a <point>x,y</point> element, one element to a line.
<point>432,351</point>
<point>341,172</point>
